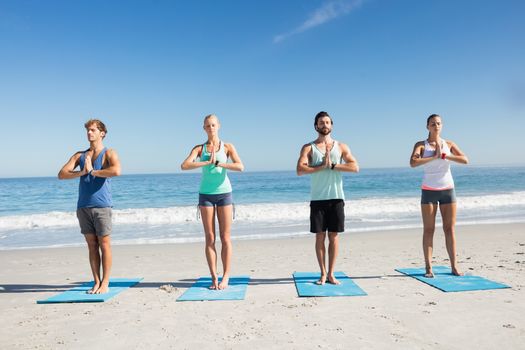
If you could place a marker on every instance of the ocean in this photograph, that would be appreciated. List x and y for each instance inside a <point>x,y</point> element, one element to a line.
<point>161,208</point>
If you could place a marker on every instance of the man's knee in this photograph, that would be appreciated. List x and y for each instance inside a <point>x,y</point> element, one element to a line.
<point>104,242</point>
<point>92,241</point>
<point>320,237</point>
<point>429,231</point>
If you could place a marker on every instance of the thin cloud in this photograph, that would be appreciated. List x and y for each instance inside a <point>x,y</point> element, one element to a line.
<point>322,15</point>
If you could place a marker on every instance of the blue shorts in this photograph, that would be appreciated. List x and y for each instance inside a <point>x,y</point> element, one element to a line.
<point>435,197</point>
<point>212,200</point>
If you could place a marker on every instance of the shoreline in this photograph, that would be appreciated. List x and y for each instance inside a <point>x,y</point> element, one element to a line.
<point>398,312</point>
<point>268,236</point>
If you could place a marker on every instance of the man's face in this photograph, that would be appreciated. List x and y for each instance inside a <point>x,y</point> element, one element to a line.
<point>324,126</point>
<point>94,134</point>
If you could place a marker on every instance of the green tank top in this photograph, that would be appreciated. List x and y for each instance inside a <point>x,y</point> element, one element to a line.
<point>214,179</point>
<point>327,183</point>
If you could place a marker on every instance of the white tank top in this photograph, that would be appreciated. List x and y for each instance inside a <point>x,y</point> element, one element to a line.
<point>437,175</point>
<point>327,183</point>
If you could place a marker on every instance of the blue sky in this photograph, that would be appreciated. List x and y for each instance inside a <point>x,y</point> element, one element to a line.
<point>151,70</point>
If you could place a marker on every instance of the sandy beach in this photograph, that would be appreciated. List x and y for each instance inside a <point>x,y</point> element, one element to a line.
<point>399,312</point>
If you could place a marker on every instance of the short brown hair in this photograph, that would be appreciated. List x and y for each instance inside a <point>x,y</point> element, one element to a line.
<point>98,123</point>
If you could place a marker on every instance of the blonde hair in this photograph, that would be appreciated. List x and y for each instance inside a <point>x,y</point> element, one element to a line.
<point>209,116</point>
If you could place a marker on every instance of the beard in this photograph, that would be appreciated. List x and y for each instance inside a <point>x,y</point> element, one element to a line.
<point>324,131</point>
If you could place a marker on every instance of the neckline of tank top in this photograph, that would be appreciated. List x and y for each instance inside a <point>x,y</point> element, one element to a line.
<point>443,142</point>
<point>98,156</point>
<point>335,143</point>
<point>205,148</point>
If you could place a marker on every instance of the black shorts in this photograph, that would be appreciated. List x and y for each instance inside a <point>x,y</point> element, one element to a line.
<point>327,215</point>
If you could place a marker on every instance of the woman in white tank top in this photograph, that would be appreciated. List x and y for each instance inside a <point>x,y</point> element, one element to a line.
<point>437,189</point>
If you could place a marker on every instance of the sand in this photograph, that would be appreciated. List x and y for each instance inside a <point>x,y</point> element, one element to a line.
<point>398,313</point>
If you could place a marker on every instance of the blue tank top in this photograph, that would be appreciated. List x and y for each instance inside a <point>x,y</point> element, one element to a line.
<point>94,192</point>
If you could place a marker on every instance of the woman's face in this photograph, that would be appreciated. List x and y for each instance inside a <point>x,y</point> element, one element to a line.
<point>211,126</point>
<point>434,125</point>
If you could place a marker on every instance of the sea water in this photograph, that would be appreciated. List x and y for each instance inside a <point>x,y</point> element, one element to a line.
<point>162,208</point>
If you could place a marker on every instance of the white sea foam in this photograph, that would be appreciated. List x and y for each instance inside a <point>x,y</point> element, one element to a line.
<point>375,210</point>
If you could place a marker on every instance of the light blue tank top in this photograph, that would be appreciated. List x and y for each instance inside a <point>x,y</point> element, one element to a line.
<point>327,183</point>
<point>94,192</point>
<point>214,179</point>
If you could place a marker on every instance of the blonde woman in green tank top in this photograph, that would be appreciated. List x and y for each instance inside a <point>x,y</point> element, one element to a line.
<point>215,194</point>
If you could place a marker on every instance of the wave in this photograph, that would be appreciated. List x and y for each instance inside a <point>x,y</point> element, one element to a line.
<point>374,210</point>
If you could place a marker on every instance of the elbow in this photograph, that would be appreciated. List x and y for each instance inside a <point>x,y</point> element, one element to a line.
<point>412,164</point>
<point>118,172</point>
<point>62,175</point>
<point>356,168</point>
<point>466,160</point>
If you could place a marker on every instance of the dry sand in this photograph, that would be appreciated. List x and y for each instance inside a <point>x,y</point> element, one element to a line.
<point>398,313</point>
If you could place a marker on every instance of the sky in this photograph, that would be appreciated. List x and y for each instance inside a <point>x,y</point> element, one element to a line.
<point>151,70</point>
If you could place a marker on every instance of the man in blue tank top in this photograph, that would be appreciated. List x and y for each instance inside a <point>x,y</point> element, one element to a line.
<point>325,159</point>
<point>96,166</point>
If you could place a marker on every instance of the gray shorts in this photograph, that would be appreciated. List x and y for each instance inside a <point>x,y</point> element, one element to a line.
<point>435,197</point>
<point>95,220</point>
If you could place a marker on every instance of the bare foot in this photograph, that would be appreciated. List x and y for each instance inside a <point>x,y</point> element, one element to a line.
<point>456,272</point>
<point>94,289</point>
<point>333,280</point>
<point>321,280</point>
<point>429,273</point>
<point>224,282</point>
<point>104,288</point>
<point>214,284</point>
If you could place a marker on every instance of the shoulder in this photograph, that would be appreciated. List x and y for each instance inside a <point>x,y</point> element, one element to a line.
<point>343,146</point>
<point>450,143</point>
<point>419,144</point>
<point>111,152</point>
<point>307,147</point>
<point>229,146</point>
<point>197,147</point>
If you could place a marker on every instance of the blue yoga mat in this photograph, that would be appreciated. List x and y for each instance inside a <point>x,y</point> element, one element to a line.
<point>306,286</point>
<point>79,294</point>
<point>200,290</point>
<point>447,282</point>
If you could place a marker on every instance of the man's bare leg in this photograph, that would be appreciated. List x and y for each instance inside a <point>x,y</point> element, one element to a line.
<point>428,212</point>
<point>224,216</point>
<point>333,250</point>
<point>107,260</point>
<point>94,260</point>
<point>320,252</point>
<point>448,214</point>
<point>208,222</point>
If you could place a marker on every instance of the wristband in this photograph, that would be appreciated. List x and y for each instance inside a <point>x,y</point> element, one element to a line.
<point>333,166</point>
<point>443,155</point>
<point>91,172</point>
<point>216,163</point>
